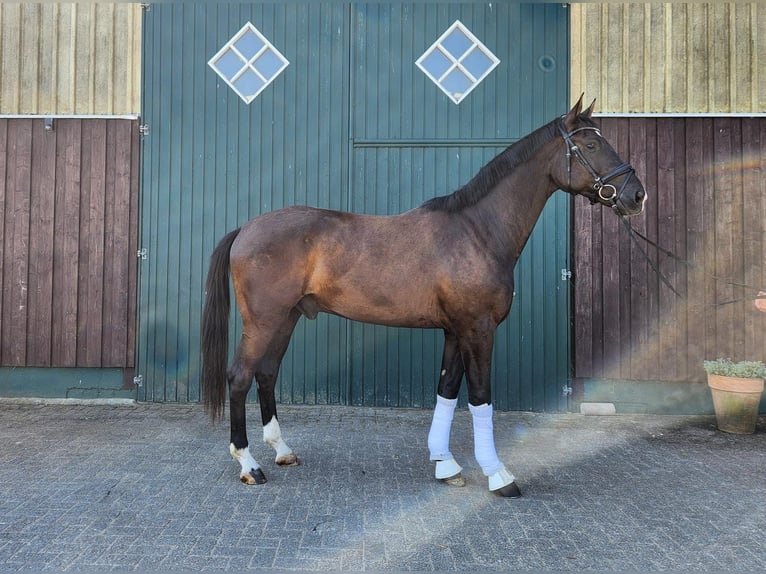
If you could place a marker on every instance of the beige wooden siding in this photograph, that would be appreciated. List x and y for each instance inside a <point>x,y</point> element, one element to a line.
<point>70,58</point>
<point>682,58</point>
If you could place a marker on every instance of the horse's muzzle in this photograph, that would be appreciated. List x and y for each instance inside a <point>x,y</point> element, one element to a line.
<point>631,199</point>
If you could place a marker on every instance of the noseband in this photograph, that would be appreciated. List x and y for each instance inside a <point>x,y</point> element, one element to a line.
<point>601,183</point>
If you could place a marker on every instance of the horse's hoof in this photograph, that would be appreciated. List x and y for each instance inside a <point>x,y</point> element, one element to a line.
<point>457,480</point>
<point>255,476</point>
<point>288,460</point>
<point>509,491</point>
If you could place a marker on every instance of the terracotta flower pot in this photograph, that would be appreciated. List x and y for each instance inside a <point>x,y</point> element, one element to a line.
<point>736,402</point>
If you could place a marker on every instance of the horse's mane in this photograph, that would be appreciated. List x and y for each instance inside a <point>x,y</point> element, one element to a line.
<point>494,172</point>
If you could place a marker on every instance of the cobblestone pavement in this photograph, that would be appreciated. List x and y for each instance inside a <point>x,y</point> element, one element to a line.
<point>152,487</point>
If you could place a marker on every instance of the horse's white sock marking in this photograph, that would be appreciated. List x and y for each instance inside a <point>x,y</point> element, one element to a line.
<point>272,436</point>
<point>484,440</point>
<point>244,458</point>
<point>438,436</point>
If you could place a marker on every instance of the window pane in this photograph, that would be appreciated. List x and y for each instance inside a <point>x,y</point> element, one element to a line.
<point>456,83</point>
<point>248,84</point>
<point>477,63</point>
<point>456,43</point>
<point>268,64</point>
<point>248,45</point>
<point>229,65</point>
<point>436,63</point>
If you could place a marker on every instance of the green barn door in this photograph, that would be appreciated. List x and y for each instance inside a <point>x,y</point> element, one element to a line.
<point>350,123</point>
<point>211,161</point>
<point>411,141</point>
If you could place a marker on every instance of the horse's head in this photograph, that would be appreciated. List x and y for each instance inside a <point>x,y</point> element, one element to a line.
<point>592,168</point>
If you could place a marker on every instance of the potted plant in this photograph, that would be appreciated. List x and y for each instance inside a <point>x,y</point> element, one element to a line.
<point>736,388</point>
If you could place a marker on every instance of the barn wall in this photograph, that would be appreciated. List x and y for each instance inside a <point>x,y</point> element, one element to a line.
<point>68,216</point>
<point>707,204</point>
<point>672,57</point>
<point>70,58</point>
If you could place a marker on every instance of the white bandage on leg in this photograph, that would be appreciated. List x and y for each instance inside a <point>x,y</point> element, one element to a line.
<point>484,440</point>
<point>438,436</point>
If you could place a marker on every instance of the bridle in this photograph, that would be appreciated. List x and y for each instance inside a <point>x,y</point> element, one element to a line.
<point>601,183</point>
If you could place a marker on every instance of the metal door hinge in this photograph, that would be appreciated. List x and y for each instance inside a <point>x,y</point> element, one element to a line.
<point>146,7</point>
<point>138,380</point>
<point>143,129</point>
<point>566,274</point>
<point>141,253</point>
<point>566,391</point>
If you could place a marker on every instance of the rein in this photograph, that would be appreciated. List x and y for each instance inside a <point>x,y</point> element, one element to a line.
<point>636,235</point>
<point>600,182</point>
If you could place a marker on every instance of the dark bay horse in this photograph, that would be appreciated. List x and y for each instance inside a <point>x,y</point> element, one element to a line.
<point>447,264</point>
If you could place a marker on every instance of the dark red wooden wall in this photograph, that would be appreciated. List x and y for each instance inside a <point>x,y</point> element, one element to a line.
<point>707,203</point>
<point>69,228</point>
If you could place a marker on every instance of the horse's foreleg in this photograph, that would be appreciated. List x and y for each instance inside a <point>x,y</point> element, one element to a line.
<point>447,469</point>
<point>477,355</point>
<point>240,381</point>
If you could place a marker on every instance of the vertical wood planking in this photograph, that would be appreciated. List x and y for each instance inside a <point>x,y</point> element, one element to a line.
<point>15,266</point>
<point>706,204</point>
<point>670,57</point>
<point>41,246</point>
<point>63,193</point>
<point>69,58</point>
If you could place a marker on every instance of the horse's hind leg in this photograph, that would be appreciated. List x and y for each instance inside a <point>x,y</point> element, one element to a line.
<point>447,469</point>
<point>266,377</point>
<point>240,380</point>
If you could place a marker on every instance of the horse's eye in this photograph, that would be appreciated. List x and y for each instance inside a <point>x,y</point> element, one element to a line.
<point>591,146</point>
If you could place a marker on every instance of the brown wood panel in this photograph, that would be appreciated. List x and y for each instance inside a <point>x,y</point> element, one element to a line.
<point>707,204</point>
<point>69,200</point>
<point>41,244</point>
<point>16,239</point>
<point>4,212</point>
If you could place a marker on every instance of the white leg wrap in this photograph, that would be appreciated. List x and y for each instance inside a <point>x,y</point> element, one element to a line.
<point>484,440</point>
<point>244,458</point>
<point>500,479</point>
<point>438,436</point>
<point>272,436</point>
<point>447,469</point>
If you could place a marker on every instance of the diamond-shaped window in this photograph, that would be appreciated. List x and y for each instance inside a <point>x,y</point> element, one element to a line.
<point>457,62</point>
<point>248,63</point>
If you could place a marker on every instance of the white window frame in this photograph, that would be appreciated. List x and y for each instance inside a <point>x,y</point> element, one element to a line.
<point>456,63</point>
<point>248,63</point>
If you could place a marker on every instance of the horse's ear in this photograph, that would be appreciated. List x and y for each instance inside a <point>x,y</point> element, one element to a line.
<point>573,114</point>
<point>589,112</point>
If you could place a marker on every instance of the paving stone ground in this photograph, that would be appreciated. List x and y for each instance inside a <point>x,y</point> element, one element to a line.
<point>151,487</point>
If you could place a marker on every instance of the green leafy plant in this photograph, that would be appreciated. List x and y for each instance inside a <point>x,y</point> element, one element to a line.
<point>741,369</point>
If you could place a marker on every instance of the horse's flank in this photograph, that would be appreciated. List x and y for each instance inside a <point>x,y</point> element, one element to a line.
<point>351,265</point>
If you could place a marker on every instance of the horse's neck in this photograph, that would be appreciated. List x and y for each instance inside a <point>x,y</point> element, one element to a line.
<point>509,213</point>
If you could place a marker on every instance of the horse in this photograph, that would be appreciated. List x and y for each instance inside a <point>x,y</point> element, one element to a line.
<point>447,264</point>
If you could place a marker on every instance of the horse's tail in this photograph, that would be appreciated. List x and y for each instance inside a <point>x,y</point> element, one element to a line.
<point>215,329</point>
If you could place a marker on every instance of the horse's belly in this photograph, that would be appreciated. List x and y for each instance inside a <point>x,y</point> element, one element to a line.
<point>383,309</point>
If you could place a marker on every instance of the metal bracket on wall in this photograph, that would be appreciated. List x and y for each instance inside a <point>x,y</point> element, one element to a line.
<point>143,129</point>
<point>138,380</point>
<point>566,274</point>
<point>141,253</point>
